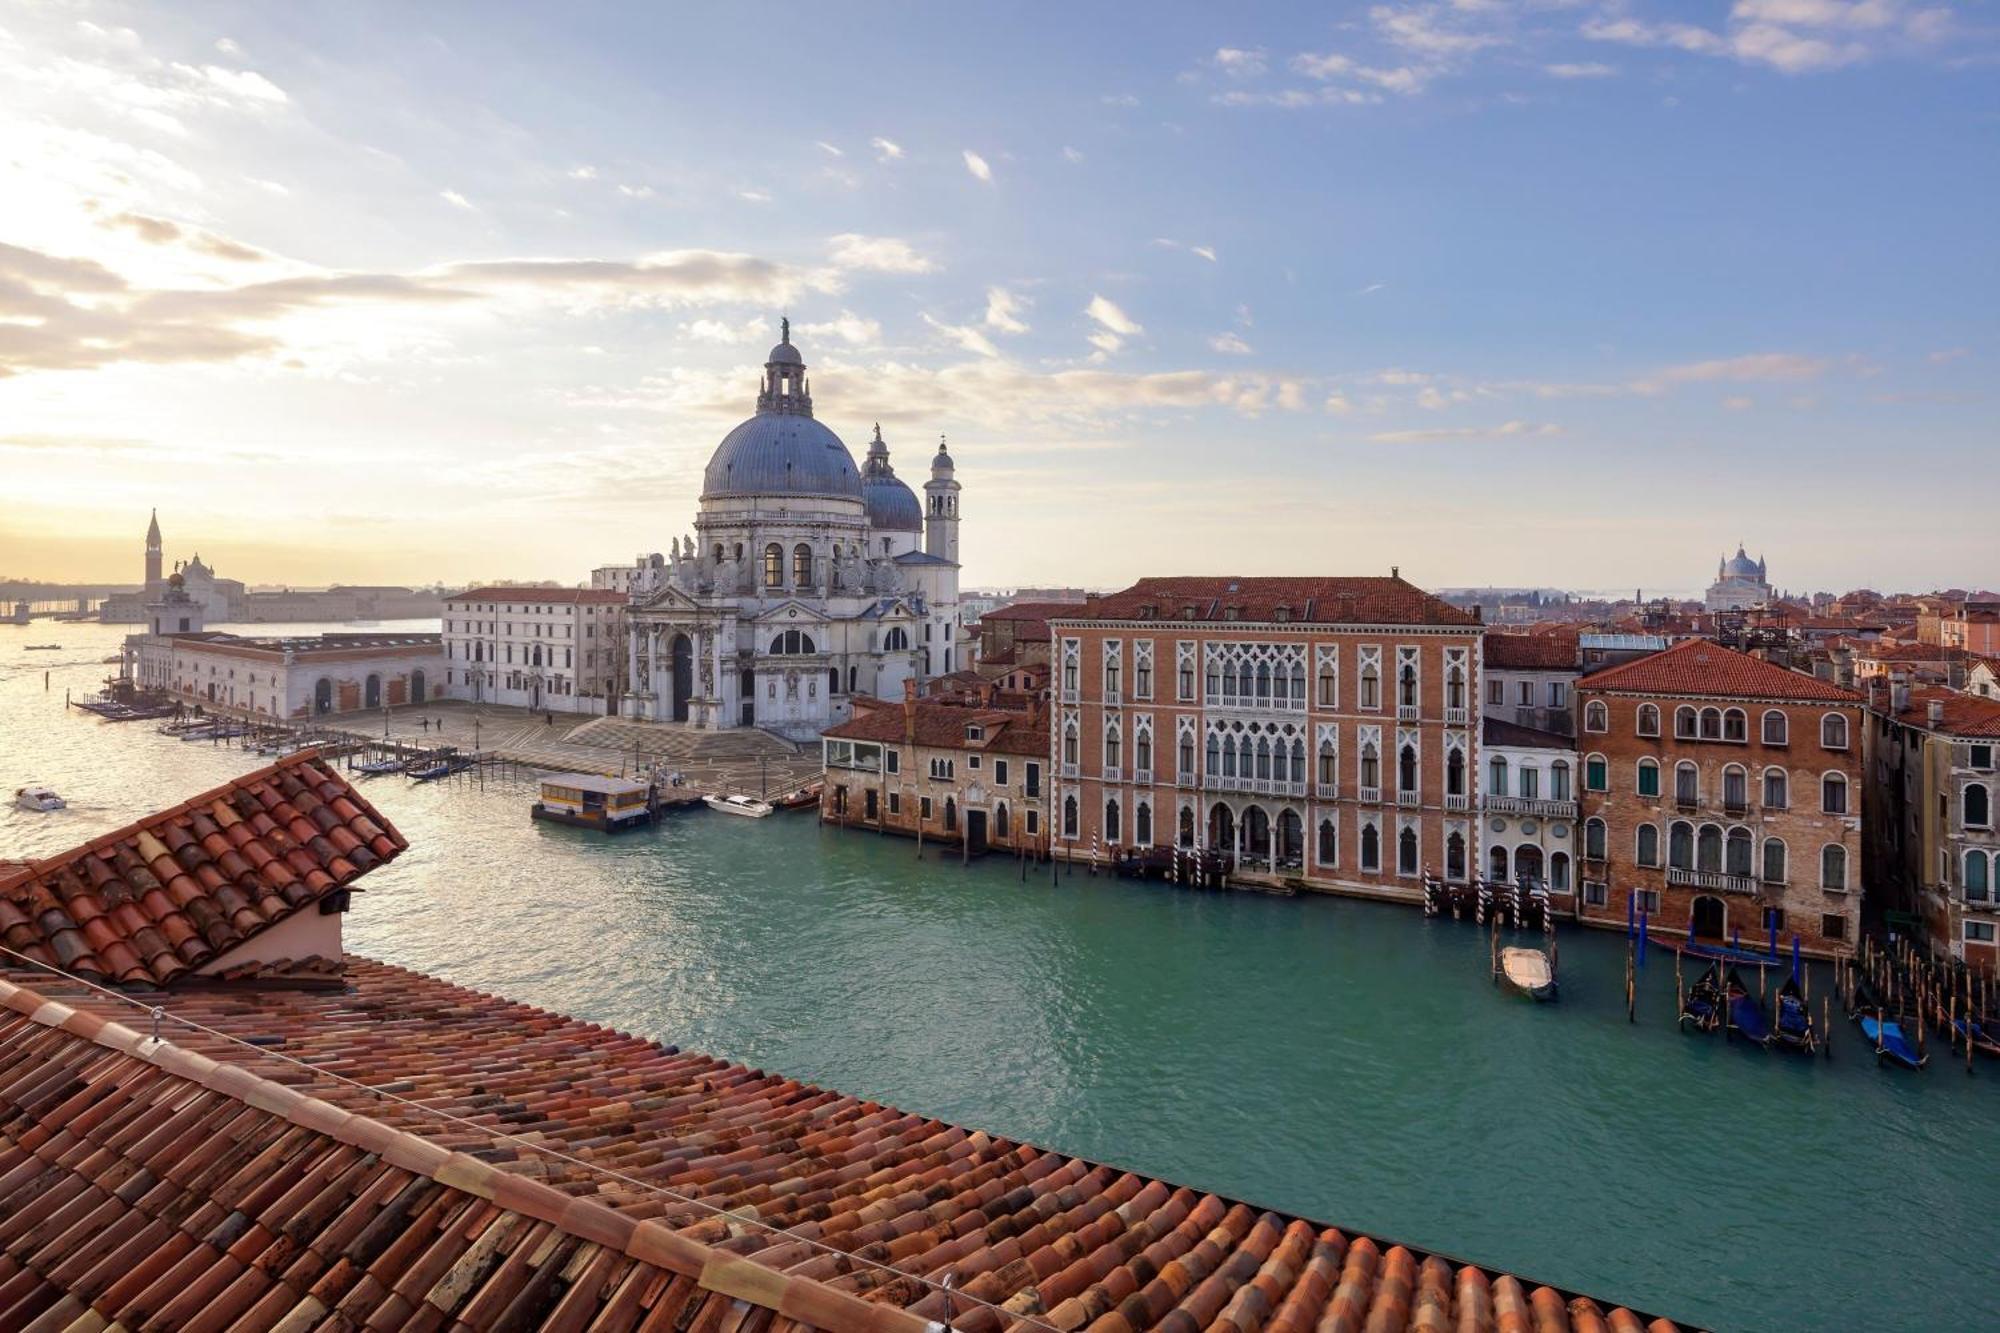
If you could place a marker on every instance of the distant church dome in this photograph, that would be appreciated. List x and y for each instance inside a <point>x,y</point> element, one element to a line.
<point>892,505</point>
<point>1742,566</point>
<point>782,450</point>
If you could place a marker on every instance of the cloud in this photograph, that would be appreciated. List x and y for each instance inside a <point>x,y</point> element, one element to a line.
<point>886,150</point>
<point>163,231</point>
<point>1505,430</point>
<point>1119,100</point>
<point>1205,251</point>
<point>1072,155</point>
<point>1791,36</point>
<point>636,191</point>
<point>876,254</point>
<point>1230,343</point>
<point>1755,368</point>
<point>966,336</point>
<point>583,173</point>
<point>847,327</point>
<point>455,199</point>
<point>828,148</point>
<point>716,331</point>
<point>750,196</point>
<point>976,164</point>
<point>1418,29</point>
<point>1239,63</point>
<point>59,313</point>
<point>1585,70</point>
<point>1003,311</point>
<point>1114,325</point>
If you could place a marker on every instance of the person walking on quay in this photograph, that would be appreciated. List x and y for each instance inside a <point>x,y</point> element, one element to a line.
<point>427,723</point>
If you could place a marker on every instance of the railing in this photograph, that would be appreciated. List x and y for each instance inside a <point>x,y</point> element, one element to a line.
<point>1255,786</point>
<point>1409,798</point>
<point>1069,770</point>
<point>1071,694</point>
<point>1528,805</point>
<point>1327,791</point>
<point>1454,717</point>
<point>1711,879</point>
<point>1110,773</point>
<point>1254,704</point>
<point>1690,804</point>
<point>1370,795</point>
<point>1184,780</point>
<point>1143,776</point>
<point>1408,712</point>
<point>1735,807</point>
<point>1458,801</point>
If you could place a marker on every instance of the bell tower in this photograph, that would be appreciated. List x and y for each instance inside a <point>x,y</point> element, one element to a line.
<point>941,508</point>
<point>153,554</point>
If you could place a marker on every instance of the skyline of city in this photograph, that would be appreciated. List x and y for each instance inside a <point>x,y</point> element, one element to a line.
<point>1472,288</point>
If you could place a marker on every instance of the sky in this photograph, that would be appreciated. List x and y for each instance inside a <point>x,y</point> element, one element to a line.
<point>1573,293</point>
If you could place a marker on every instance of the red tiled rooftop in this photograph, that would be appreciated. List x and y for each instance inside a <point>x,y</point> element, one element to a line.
<point>942,725</point>
<point>1556,651</point>
<point>1704,669</point>
<point>1064,1242</point>
<point>1315,601</point>
<point>148,904</point>
<point>1960,714</point>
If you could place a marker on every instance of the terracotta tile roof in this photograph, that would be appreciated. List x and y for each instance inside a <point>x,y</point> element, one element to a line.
<point>942,725</point>
<point>1706,669</point>
<point>1532,652</point>
<point>1068,1243</point>
<point>148,904</point>
<point>1317,601</point>
<point>1960,714</point>
<point>143,1185</point>
<point>1888,651</point>
<point>604,596</point>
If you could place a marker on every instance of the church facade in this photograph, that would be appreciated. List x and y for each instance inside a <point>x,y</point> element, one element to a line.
<point>807,580</point>
<point>1740,583</point>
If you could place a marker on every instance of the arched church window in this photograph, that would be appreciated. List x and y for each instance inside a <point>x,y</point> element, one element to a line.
<point>898,640</point>
<point>802,566</point>
<point>792,643</point>
<point>774,566</point>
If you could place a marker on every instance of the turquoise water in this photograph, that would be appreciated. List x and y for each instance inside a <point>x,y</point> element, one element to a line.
<point>1344,1060</point>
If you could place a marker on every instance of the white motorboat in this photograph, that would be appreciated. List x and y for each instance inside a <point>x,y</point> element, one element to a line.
<point>739,805</point>
<point>37,798</point>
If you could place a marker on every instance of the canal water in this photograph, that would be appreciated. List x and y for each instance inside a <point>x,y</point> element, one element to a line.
<point>1347,1061</point>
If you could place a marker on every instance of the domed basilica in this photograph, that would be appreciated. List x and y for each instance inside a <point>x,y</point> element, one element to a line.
<point>807,580</point>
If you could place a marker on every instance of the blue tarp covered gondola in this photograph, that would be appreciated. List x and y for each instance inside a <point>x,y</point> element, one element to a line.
<point>1891,1043</point>
<point>1746,1015</point>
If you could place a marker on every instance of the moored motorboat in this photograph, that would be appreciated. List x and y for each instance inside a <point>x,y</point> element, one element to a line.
<point>736,804</point>
<point>38,798</point>
<point>377,767</point>
<point>803,797</point>
<point>1529,972</point>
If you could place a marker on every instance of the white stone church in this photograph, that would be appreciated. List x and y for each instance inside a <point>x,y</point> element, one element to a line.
<point>807,580</point>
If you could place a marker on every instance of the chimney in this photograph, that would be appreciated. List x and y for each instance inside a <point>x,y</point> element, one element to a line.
<point>1936,712</point>
<point>910,712</point>
<point>1899,691</point>
<point>1478,613</point>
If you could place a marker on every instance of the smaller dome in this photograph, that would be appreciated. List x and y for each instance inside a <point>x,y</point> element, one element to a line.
<point>1742,566</point>
<point>784,354</point>
<point>892,505</point>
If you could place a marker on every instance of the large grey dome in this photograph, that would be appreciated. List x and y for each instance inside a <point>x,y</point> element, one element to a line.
<point>781,453</point>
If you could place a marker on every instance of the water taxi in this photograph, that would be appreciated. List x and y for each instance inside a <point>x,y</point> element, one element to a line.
<point>740,805</point>
<point>588,800</point>
<point>37,798</point>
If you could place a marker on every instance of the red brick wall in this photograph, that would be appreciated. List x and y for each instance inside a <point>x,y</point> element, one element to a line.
<point>1803,826</point>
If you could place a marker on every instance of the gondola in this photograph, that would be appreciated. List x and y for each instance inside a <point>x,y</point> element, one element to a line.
<point>1745,1014</point>
<point>1891,1043</point>
<point>1793,1028</point>
<point>1528,972</point>
<point>1701,1007</point>
<point>1983,1039</point>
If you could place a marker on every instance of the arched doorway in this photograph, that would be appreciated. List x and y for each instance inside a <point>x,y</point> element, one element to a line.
<point>1187,826</point>
<point>1528,865</point>
<point>1222,828</point>
<point>371,692</point>
<point>1257,834</point>
<point>1711,917</point>
<point>683,674</point>
<point>1291,839</point>
<point>322,695</point>
<point>1496,864</point>
<point>417,692</point>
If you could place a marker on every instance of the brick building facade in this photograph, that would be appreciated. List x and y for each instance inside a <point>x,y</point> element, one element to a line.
<point>1322,730</point>
<point>966,766</point>
<point>1725,792</point>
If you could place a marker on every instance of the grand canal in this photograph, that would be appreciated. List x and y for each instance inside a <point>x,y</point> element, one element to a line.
<point>1343,1060</point>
